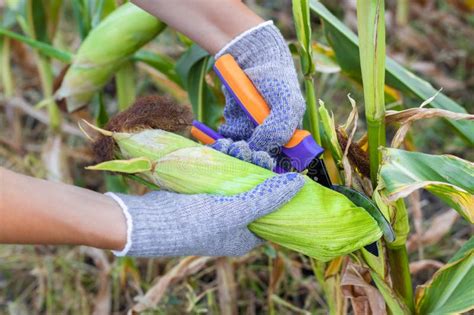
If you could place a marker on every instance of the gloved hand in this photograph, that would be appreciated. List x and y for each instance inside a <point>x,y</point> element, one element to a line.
<point>264,56</point>
<point>163,223</point>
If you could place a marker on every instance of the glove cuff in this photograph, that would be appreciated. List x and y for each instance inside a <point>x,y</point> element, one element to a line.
<point>258,45</point>
<point>129,222</point>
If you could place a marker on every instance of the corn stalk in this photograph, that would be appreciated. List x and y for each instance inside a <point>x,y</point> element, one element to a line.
<point>301,16</point>
<point>302,20</point>
<point>125,82</point>
<point>5,67</point>
<point>29,27</point>
<point>371,28</point>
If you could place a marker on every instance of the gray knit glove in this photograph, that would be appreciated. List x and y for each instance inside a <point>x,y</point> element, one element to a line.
<point>264,56</point>
<point>163,223</point>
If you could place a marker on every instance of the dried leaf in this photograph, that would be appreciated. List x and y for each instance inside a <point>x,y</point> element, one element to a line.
<point>420,265</point>
<point>103,299</point>
<point>186,267</point>
<point>365,298</point>
<point>446,176</point>
<point>417,214</point>
<point>400,135</point>
<point>278,270</point>
<point>41,116</point>
<point>356,155</point>
<point>353,118</point>
<point>164,83</point>
<point>226,286</point>
<point>439,227</point>
<point>293,308</point>
<point>408,116</point>
<point>413,114</point>
<point>347,171</point>
<point>55,161</point>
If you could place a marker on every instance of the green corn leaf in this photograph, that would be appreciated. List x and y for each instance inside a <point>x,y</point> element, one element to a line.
<point>346,47</point>
<point>42,48</point>
<point>142,181</point>
<point>100,113</point>
<point>451,288</point>
<point>39,21</point>
<point>7,83</point>
<point>463,251</point>
<point>162,63</point>
<point>125,84</point>
<point>81,15</point>
<point>100,10</point>
<point>192,68</point>
<point>197,87</point>
<point>324,63</point>
<point>393,300</point>
<point>115,183</point>
<point>136,165</point>
<point>446,176</point>
<point>191,57</point>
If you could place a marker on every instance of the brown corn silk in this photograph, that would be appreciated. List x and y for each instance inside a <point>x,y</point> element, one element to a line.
<point>147,112</point>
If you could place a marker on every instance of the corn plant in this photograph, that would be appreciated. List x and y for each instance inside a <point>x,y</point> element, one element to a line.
<point>318,222</point>
<point>371,71</point>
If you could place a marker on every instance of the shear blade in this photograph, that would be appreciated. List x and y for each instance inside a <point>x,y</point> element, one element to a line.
<point>361,200</point>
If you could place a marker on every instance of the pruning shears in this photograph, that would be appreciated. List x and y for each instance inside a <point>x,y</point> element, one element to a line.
<point>299,154</point>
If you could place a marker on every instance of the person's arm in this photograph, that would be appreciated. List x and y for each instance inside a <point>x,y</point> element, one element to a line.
<point>210,23</point>
<point>36,211</point>
<point>160,223</point>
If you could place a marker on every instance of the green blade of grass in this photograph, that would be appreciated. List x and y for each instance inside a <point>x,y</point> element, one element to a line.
<point>42,48</point>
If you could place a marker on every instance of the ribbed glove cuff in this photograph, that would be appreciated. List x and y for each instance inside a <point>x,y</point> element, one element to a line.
<point>129,222</point>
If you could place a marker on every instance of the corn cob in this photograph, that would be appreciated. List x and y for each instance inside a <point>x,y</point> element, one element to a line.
<point>318,222</point>
<point>104,50</point>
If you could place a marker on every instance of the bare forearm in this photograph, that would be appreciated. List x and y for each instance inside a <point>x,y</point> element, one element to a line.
<point>35,211</point>
<point>210,23</point>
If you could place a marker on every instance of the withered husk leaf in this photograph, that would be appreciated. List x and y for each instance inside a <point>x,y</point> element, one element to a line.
<point>357,156</point>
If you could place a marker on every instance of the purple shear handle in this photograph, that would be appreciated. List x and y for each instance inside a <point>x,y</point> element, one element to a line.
<point>303,153</point>
<point>300,156</point>
<point>206,130</point>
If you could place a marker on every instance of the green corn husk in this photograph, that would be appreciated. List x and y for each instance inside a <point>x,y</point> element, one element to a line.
<point>104,50</point>
<point>317,222</point>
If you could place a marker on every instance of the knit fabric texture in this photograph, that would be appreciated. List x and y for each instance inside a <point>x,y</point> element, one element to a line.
<point>241,150</point>
<point>263,55</point>
<point>163,223</point>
